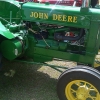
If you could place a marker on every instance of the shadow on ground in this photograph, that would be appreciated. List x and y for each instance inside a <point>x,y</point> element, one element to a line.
<point>27,83</point>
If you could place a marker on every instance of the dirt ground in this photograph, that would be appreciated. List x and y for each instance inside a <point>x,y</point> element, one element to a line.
<point>29,81</point>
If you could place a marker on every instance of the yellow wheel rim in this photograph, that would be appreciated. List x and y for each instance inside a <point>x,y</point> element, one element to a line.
<point>81,90</point>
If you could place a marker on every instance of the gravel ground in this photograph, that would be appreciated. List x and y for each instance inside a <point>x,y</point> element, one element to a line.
<point>29,81</point>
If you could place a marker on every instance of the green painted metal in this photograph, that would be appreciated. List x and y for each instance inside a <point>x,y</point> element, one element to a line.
<point>41,32</point>
<point>6,33</point>
<point>59,15</point>
<point>13,40</point>
<point>41,58</point>
<point>9,11</point>
<point>11,49</point>
<point>87,18</point>
<point>43,21</point>
<point>52,14</point>
<point>44,64</point>
<point>92,43</point>
<point>65,55</point>
<point>53,44</point>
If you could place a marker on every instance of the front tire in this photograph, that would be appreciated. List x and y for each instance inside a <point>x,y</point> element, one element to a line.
<point>79,83</point>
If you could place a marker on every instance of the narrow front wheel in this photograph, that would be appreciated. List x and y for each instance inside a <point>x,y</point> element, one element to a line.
<point>79,83</point>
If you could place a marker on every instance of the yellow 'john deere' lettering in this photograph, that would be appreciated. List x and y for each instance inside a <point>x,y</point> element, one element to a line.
<point>54,17</point>
<point>39,15</point>
<point>65,18</point>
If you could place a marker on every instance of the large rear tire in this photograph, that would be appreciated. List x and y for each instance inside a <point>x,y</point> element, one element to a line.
<point>79,83</point>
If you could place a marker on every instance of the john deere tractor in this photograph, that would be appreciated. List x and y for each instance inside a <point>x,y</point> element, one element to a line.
<point>42,32</point>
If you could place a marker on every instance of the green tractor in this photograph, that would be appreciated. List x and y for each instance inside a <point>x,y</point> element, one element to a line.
<point>43,32</point>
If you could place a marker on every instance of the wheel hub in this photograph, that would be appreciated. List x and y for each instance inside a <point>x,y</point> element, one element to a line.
<point>82,93</point>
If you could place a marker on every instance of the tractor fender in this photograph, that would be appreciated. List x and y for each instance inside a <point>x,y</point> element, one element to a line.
<point>5,32</point>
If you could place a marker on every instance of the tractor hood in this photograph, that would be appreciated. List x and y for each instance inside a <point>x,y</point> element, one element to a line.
<point>60,15</point>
